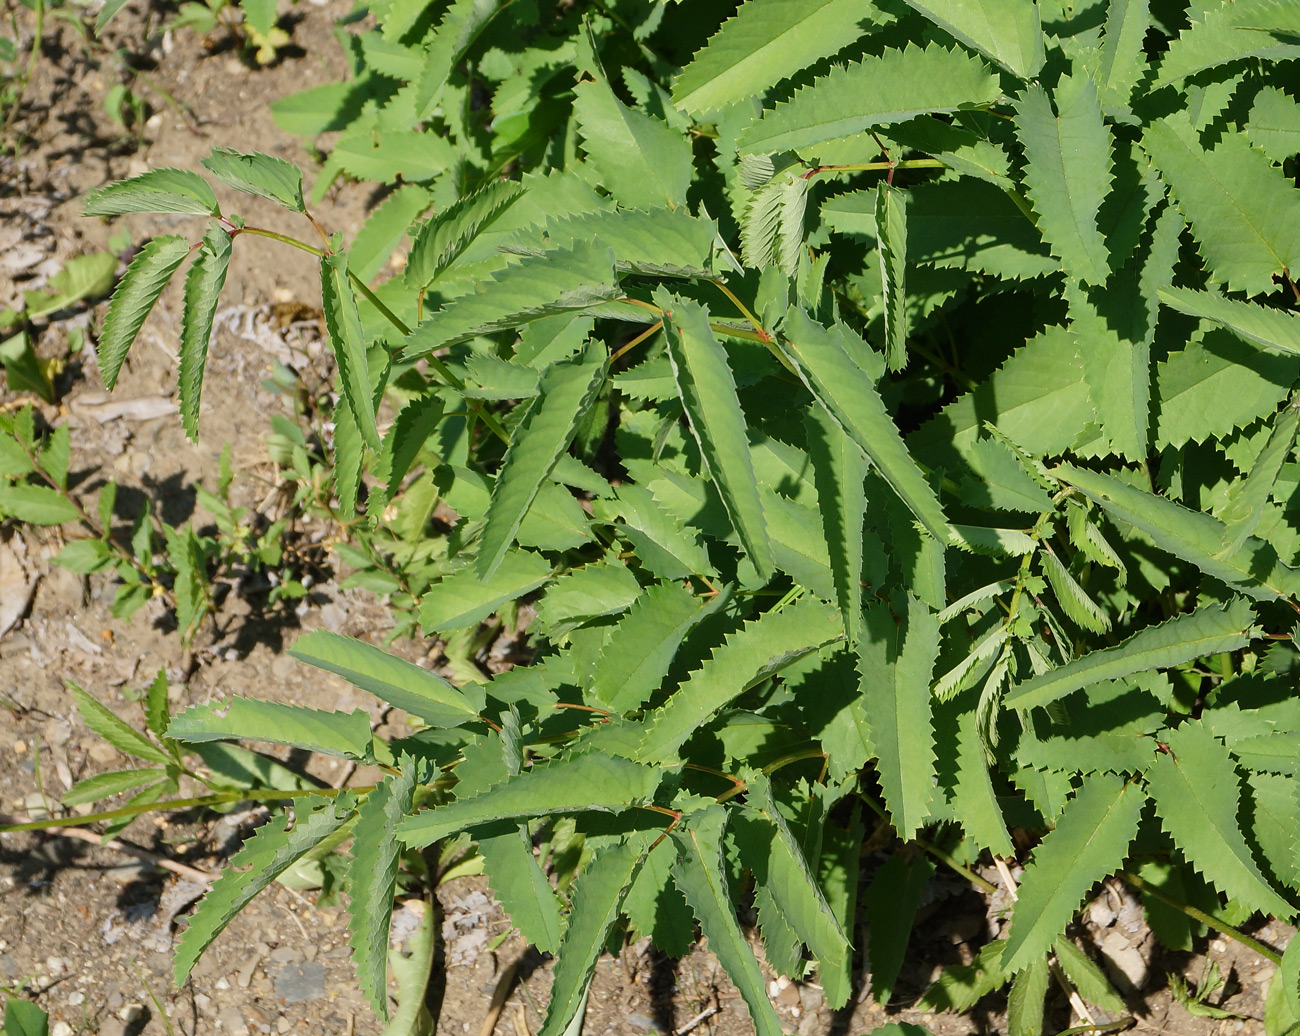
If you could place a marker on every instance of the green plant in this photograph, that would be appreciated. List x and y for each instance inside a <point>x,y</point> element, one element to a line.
<point>953,479</point>
<point>23,1018</point>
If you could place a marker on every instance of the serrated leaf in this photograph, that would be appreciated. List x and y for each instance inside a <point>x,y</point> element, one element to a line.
<point>203,284</point>
<point>258,174</point>
<point>1067,172</point>
<point>763,43</point>
<point>847,393</point>
<point>597,900</point>
<point>461,25</point>
<point>896,661</point>
<point>463,599</point>
<point>840,469</point>
<point>159,190</point>
<point>157,709</point>
<point>415,424</point>
<point>1197,795</point>
<point>1122,59</point>
<point>1073,599</point>
<point>384,229</point>
<point>552,283</point>
<point>349,456</point>
<point>1027,1001</point>
<point>105,723</point>
<point>1274,125</point>
<point>1089,842</point>
<point>114,782</point>
<point>349,344</point>
<point>255,719</point>
<point>1248,497</point>
<point>974,801</point>
<point>1006,32</point>
<point>655,906</point>
<point>891,247</point>
<point>584,782</point>
<point>403,684</point>
<point>642,161</point>
<point>642,646</point>
<point>135,296</point>
<point>372,880</point>
<point>584,594</point>
<point>772,230</point>
<point>663,545</point>
<point>36,504</point>
<point>267,855</point>
<point>960,987</point>
<point>1004,483</point>
<point>1242,210</point>
<point>708,393</point>
<point>519,884</point>
<point>445,236</point>
<point>1206,631</point>
<point>1087,977</point>
<point>782,873</point>
<point>1216,36</point>
<point>659,242</point>
<point>890,902</point>
<point>1195,537</point>
<point>568,389</point>
<point>876,91</point>
<point>760,649</point>
<point>700,874</point>
<point>1273,329</point>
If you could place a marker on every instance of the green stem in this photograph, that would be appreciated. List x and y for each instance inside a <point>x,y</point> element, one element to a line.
<point>743,309</point>
<point>933,850</point>
<point>284,239</point>
<point>876,167</point>
<point>1222,927</point>
<point>1099,1027</point>
<point>203,800</point>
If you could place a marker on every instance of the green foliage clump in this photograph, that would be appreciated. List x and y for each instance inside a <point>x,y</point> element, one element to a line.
<point>854,405</point>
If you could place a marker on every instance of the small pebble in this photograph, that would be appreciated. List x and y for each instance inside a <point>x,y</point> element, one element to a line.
<point>232,1022</point>
<point>295,983</point>
<point>76,999</point>
<point>61,1029</point>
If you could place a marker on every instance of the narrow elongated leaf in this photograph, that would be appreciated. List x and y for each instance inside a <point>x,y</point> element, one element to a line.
<point>1248,497</point>
<point>597,900</point>
<point>700,874</point>
<point>1089,842</point>
<point>519,884</point>
<point>891,246</point>
<point>642,646</point>
<point>663,545</point>
<point>642,161</point>
<point>1087,978</point>
<point>1005,31</point>
<point>840,469</point>
<point>896,661</point>
<point>463,599</point>
<point>460,27</point>
<point>568,389</point>
<point>349,344</point>
<point>847,393</point>
<point>135,296</point>
<point>159,190</point>
<point>1273,329</point>
<point>258,174</point>
<point>38,505</point>
<point>762,648</point>
<point>266,855</point>
<point>1197,538</point>
<point>373,878</point>
<point>423,694</point>
<point>877,91</point>
<point>414,426</point>
<point>255,719</point>
<point>584,782</point>
<point>114,782</point>
<point>974,800</point>
<point>890,903</point>
<point>1027,1001</point>
<point>555,282</point>
<point>766,41</point>
<point>1242,210</point>
<point>446,235</point>
<point>125,738</point>
<point>1197,793</point>
<point>772,230</point>
<point>1231,31</point>
<point>1073,599</point>
<point>1067,172</point>
<point>1206,631</point>
<point>660,242</point>
<point>782,872</point>
<point>203,286</point>
<point>1122,59</point>
<point>708,392</point>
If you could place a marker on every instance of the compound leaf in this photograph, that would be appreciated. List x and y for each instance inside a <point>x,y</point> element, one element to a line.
<point>266,855</point>
<point>135,296</point>
<point>121,735</point>
<point>1089,842</point>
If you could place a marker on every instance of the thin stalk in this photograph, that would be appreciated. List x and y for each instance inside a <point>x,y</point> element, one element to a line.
<point>933,850</point>
<point>743,309</point>
<point>284,239</point>
<point>653,330</point>
<point>876,167</point>
<point>1222,927</point>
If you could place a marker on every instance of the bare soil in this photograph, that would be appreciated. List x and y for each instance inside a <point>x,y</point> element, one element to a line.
<point>86,931</point>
